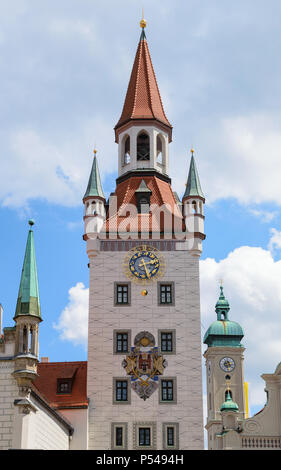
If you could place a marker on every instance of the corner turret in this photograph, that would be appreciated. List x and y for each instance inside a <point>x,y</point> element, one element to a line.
<point>27,318</point>
<point>193,208</point>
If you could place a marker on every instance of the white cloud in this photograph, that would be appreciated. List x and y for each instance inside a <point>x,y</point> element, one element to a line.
<point>264,216</point>
<point>275,240</point>
<point>252,284</point>
<point>53,170</point>
<point>238,157</point>
<point>73,321</point>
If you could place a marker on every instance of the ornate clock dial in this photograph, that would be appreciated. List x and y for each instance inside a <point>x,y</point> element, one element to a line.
<point>227,364</point>
<point>144,264</point>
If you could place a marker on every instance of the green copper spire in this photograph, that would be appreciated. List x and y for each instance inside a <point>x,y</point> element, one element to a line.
<point>229,405</point>
<point>193,186</point>
<point>222,306</point>
<point>28,302</point>
<point>94,187</point>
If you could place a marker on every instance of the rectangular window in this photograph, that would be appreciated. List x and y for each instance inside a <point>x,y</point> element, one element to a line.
<point>119,436</point>
<point>167,341</point>
<point>64,386</point>
<point>167,390</point>
<point>144,436</point>
<point>121,390</point>
<point>170,436</point>
<point>122,293</point>
<point>166,293</point>
<point>121,342</point>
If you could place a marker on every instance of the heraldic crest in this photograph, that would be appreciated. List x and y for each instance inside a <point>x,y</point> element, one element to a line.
<point>144,364</point>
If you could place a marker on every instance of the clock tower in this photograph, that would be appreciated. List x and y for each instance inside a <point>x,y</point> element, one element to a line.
<point>224,369</point>
<point>144,244</point>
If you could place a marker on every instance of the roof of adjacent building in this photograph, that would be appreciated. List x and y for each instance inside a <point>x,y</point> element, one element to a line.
<point>143,100</point>
<point>28,302</point>
<point>47,383</point>
<point>94,188</point>
<point>193,186</point>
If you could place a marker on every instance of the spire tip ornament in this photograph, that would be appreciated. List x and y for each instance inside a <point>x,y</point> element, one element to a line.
<point>143,21</point>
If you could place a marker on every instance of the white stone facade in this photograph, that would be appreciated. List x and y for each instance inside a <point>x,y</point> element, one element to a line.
<point>144,313</point>
<point>8,393</point>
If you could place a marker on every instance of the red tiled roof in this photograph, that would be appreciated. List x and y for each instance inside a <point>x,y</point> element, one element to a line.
<point>46,383</point>
<point>143,100</point>
<point>161,195</point>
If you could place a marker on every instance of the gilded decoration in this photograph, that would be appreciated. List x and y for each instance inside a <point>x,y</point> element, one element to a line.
<point>144,364</point>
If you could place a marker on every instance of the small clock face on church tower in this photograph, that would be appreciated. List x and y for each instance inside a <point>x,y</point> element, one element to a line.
<point>227,364</point>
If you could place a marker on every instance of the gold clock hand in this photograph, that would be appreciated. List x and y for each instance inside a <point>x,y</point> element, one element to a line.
<point>146,270</point>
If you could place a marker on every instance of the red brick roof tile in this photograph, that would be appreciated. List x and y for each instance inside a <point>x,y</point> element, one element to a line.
<point>46,383</point>
<point>143,100</point>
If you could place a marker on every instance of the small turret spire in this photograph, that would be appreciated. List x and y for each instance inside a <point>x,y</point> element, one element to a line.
<point>94,188</point>
<point>193,186</point>
<point>28,302</point>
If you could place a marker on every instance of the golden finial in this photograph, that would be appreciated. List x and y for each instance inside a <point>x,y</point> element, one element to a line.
<point>95,151</point>
<point>192,151</point>
<point>142,21</point>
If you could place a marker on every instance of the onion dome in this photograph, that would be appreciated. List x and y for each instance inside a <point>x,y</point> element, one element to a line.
<point>229,404</point>
<point>223,332</point>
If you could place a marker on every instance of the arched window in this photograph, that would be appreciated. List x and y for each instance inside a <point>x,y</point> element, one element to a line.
<point>159,145</point>
<point>127,156</point>
<point>143,151</point>
<point>194,210</point>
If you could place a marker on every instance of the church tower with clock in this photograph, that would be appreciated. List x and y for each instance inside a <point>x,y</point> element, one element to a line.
<point>144,380</point>
<point>225,370</point>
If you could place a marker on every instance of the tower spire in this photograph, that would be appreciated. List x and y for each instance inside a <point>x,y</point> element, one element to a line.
<point>193,186</point>
<point>94,188</point>
<point>143,101</point>
<point>28,302</point>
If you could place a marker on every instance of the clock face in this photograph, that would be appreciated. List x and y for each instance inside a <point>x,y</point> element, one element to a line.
<point>144,264</point>
<point>227,364</point>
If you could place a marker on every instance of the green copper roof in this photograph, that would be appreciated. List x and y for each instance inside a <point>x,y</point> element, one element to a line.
<point>94,187</point>
<point>28,302</point>
<point>229,405</point>
<point>193,186</point>
<point>223,332</point>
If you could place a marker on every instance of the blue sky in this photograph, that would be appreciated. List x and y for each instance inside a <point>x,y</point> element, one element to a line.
<point>64,71</point>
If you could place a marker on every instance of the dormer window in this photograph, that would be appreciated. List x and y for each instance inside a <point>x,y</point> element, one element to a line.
<point>143,152</point>
<point>143,194</point>
<point>64,386</point>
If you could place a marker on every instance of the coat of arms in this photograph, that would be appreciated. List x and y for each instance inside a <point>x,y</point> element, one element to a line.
<point>144,364</point>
